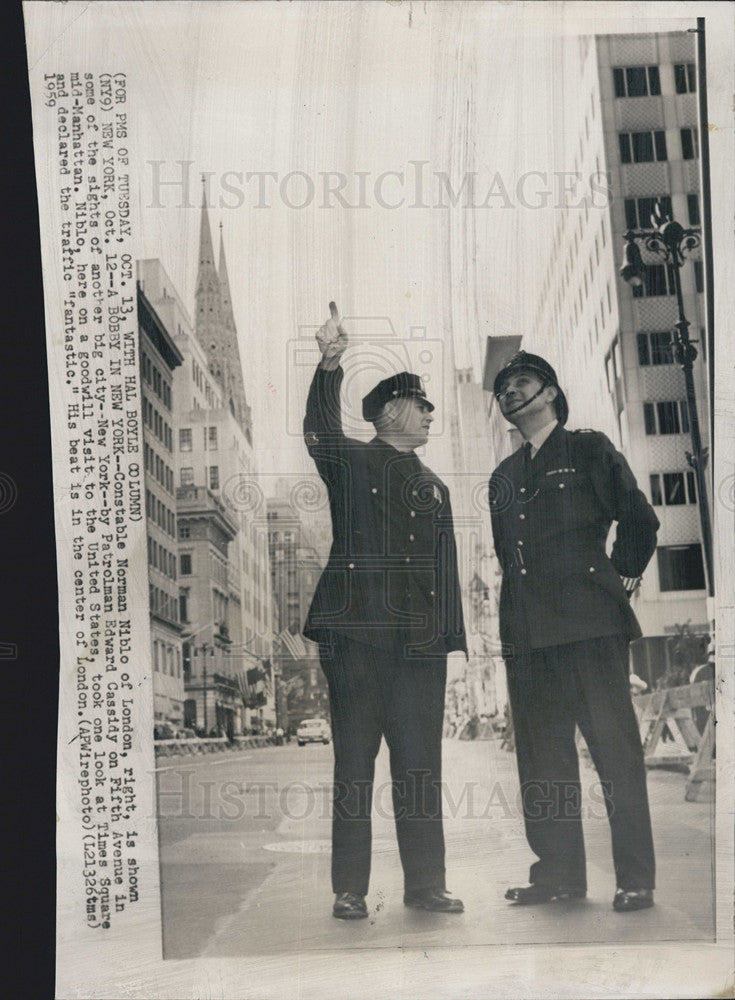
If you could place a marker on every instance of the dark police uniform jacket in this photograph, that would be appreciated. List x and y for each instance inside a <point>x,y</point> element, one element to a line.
<point>559,586</point>
<point>392,569</point>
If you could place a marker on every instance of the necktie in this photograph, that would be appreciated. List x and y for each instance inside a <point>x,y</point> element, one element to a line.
<point>527,462</point>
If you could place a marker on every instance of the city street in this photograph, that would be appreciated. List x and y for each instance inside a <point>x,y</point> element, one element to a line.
<point>245,859</point>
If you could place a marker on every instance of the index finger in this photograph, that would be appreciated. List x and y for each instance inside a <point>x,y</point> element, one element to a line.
<point>334,311</point>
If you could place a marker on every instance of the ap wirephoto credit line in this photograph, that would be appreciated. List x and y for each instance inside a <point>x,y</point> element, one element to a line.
<point>393,495</point>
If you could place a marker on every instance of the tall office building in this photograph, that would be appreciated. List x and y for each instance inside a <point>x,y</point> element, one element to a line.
<point>224,582</point>
<point>472,460</point>
<point>295,570</point>
<point>625,120</point>
<point>159,359</point>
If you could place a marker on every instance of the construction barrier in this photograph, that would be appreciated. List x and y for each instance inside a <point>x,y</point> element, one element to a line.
<point>703,768</point>
<point>669,734</point>
<point>211,744</point>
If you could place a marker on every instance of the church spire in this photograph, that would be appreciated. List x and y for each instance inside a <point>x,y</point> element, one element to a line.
<point>207,269</point>
<point>230,346</point>
<point>207,311</point>
<point>224,284</point>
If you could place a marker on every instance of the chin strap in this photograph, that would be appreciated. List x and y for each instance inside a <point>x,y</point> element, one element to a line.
<point>510,413</point>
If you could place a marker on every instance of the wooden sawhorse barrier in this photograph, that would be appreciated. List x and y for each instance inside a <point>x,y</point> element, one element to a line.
<point>671,709</point>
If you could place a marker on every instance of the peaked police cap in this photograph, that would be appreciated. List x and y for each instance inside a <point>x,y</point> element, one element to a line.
<point>523,361</point>
<point>399,386</point>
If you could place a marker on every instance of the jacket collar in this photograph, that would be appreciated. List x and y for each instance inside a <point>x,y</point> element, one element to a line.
<point>407,463</point>
<point>540,437</point>
<point>550,455</point>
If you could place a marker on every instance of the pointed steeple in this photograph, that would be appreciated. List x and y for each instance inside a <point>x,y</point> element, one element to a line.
<point>224,285</point>
<point>231,349</point>
<point>207,311</point>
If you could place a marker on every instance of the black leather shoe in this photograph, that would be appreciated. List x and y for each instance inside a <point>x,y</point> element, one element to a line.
<point>349,906</point>
<point>528,895</point>
<point>627,900</point>
<point>437,900</point>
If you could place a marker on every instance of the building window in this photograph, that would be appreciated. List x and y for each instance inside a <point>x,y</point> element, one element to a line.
<point>680,567</point>
<point>689,143</point>
<point>184,531</point>
<point>678,488</point>
<point>655,349</point>
<point>214,477</point>
<point>693,206</point>
<point>184,607</point>
<point>642,147</point>
<point>636,81</point>
<point>185,439</point>
<point>638,211</point>
<point>211,438</point>
<point>656,496</point>
<point>685,78</point>
<point>187,476</point>
<point>185,565</point>
<point>699,275</point>
<point>666,417</point>
<point>658,279</point>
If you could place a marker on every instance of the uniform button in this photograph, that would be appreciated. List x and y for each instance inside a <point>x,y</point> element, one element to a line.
<point>520,541</point>
<point>523,489</point>
<point>374,489</point>
<point>352,565</point>
<point>431,593</point>
<point>561,486</point>
<point>413,513</point>
<point>523,572</point>
<point>412,538</point>
<point>522,517</point>
<point>592,569</point>
<point>408,558</point>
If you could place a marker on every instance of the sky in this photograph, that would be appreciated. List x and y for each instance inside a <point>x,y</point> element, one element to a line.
<point>364,152</point>
<point>398,104</point>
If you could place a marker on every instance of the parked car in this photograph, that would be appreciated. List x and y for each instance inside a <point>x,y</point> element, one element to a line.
<point>313,731</point>
<point>162,731</point>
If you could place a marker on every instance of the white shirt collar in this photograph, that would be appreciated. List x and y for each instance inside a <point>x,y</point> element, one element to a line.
<point>539,437</point>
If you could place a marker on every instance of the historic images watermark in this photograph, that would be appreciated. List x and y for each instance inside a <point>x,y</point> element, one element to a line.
<point>414,185</point>
<point>192,798</point>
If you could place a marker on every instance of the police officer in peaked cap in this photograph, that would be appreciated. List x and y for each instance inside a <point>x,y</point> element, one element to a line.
<point>386,612</point>
<point>565,625</point>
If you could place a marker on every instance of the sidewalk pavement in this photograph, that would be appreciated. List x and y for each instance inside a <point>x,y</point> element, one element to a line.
<point>284,903</point>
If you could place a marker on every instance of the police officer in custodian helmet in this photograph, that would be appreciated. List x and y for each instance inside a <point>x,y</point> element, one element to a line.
<point>386,611</point>
<point>565,625</point>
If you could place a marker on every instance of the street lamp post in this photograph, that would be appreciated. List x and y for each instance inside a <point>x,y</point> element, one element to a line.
<point>672,244</point>
<point>203,649</point>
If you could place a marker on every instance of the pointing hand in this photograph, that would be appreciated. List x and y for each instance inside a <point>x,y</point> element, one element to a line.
<point>332,338</point>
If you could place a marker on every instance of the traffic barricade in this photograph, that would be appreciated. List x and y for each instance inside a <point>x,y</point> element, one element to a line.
<point>669,734</point>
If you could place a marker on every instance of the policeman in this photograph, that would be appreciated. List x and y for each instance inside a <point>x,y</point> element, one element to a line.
<point>386,612</point>
<point>565,625</point>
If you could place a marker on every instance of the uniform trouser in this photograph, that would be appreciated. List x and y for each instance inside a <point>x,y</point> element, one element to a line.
<point>374,693</point>
<point>550,690</point>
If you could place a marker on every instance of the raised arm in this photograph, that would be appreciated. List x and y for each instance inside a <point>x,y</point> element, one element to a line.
<point>323,432</point>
